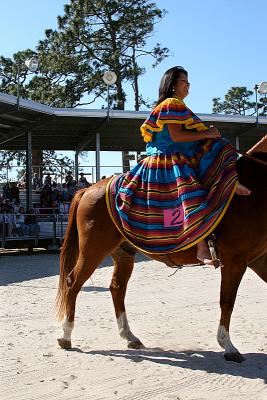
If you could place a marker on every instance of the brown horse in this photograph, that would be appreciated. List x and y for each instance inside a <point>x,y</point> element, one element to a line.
<point>91,236</point>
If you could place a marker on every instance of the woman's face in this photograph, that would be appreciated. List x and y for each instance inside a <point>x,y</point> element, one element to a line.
<point>181,87</point>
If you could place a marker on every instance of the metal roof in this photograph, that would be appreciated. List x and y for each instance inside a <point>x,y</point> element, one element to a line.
<point>75,128</point>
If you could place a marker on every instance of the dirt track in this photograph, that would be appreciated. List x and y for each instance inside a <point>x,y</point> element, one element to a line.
<point>175,317</point>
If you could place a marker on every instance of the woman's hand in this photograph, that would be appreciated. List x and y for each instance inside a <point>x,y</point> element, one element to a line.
<point>212,133</point>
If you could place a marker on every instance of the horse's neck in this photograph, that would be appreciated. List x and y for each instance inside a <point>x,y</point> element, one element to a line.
<point>260,157</point>
<point>253,171</point>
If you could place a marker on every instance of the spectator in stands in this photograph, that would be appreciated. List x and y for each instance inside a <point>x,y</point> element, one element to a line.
<point>23,180</point>
<point>36,207</point>
<point>69,179</point>
<point>63,211</point>
<point>36,182</point>
<point>6,191</point>
<point>14,192</point>
<point>47,201</point>
<point>21,227</point>
<point>54,192</point>
<point>11,221</point>
<point>32,223</point>
<point>48,180</point>
<point>2,221</point>
<point>16,206</point>
<point>72,188</point>
<point>6,205</point>
<point>7,221</point>
<point>45,197</point>
<point>64,194</point>
<point>63,207</point>
<point>54,205</point>
<point>83,183</point>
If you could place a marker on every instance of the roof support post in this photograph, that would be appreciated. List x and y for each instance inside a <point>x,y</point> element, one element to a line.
<point>76,165</point>
<point>97,156</point>
<point>237,143</point>
<point>28,171</point>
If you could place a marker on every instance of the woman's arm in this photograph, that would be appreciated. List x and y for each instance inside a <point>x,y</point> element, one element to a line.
<point>179,134</point>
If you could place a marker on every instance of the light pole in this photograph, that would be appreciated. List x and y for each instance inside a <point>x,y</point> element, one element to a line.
<point>32,65</point>
<point>261,89</point>
<point>109,78</point>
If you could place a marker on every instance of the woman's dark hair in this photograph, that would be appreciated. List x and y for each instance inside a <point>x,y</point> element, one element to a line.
<point>167,82</point>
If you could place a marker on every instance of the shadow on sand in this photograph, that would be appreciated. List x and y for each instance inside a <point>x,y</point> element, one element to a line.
<point>254,366</point>
<point>20,267</point>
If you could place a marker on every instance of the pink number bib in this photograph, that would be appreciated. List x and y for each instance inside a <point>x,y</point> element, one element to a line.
<point>173,216</point>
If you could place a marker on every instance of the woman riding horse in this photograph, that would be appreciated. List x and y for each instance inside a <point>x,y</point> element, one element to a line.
<point>241,235</point>
<point>178,194</point>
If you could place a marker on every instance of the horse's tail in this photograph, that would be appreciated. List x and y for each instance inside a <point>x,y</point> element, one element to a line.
<point>68,256</point>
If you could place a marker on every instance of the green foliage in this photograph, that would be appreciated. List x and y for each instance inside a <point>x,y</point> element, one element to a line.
<point>93,36</point>
<point>237,101</point>
<point>54,162</point>
<point>10,69</point>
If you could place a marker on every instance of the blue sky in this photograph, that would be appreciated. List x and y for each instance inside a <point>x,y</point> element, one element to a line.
<point>222,43</point>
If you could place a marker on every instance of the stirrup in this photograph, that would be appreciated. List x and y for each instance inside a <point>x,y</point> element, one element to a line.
<point>212,248</point>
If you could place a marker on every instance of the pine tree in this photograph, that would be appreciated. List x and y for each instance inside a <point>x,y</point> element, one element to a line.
<point>237,101</point>
<point>93,36</point>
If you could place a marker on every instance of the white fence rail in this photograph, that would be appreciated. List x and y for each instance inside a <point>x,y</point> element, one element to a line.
<point>47,229</point>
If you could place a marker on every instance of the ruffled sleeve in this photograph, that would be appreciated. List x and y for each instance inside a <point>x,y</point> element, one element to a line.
<point>170,111</point>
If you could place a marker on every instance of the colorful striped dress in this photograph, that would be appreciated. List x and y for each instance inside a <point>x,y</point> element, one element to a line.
<point>177,195</point>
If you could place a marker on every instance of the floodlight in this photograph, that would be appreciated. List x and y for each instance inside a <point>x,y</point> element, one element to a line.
<point>109,77</point>
<point>32,64</point>
<point>262,89</point>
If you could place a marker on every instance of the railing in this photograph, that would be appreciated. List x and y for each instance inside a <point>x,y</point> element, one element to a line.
<point>47,229</point>
<point>10,173</point>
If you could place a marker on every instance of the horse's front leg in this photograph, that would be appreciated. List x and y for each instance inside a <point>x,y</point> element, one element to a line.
<point>123,267</point>
<point>231,278</point>
<point>260,267</point>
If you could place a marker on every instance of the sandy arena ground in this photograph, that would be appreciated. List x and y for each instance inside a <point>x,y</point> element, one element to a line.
<point>175,317</point>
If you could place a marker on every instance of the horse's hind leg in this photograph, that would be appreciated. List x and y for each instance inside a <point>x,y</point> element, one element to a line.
<point>93,248</point>
<point>75,280</point>
<point>123,267</point>
<point>231,278</point>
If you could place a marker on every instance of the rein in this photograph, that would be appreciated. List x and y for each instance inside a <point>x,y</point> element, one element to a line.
<point>249,156</point>
<point>254,158</point>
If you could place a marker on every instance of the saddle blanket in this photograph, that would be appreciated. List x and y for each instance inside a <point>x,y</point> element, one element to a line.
<point>159,215</point>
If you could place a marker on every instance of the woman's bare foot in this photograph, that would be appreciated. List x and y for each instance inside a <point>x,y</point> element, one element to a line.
<point>242,190</point>
<point>203,253</point>
<point>206,261</point>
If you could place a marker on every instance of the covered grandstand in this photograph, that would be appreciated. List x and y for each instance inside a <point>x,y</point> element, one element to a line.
<point>35,126</point>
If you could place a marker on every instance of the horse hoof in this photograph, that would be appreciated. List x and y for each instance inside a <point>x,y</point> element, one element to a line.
<point>135,345</point>
<point>235,357</point>
<point>64,344</point>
